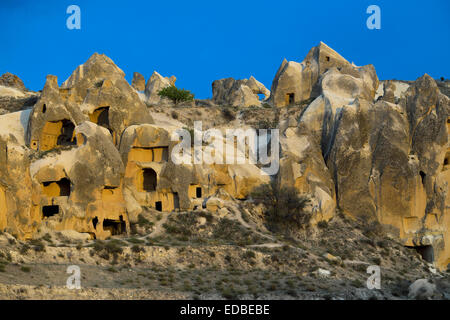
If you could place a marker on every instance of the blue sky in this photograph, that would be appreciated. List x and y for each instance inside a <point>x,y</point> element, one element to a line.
<point>200,41</point>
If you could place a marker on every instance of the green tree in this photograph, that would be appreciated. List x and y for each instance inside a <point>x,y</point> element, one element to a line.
<point>175,94</point>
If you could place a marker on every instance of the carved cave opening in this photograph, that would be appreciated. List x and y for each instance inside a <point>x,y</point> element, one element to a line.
<point>149,179</point>
<point>422,176</point>
<point>49,211</point>
<point>176,201</point>
<point>426,252</point>
<point>115,227</point>
<point>290,98</point>
<point>446,160</point>
<point>100,116</point>
<point>66,136</point>
<point>56,133</point>
<point>95,222</point>
<point>59,188</point>
<point>103,117</point>
<point>158,205</point>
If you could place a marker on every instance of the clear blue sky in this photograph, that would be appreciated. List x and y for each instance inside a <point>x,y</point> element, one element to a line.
<point>200,41</point>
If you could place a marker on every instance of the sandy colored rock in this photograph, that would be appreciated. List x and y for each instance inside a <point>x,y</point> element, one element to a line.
<point>297,82</point>
<point>155,84</point>
<point>11,80</point>
<point>138,81</point>
<point>239,93</point>
<point>88,158</point>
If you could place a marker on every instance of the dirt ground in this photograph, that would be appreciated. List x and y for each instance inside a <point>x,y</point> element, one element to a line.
<point>198,255</point>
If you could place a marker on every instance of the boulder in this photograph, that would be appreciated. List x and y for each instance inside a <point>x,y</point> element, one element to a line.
<point>421,289</point>
<point>72,235</point>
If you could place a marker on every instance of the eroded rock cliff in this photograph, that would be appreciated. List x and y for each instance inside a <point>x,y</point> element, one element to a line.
<point>93,154</point>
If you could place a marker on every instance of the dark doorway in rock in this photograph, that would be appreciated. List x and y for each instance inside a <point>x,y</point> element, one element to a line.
<point>59,188</point>
<point>44,108</point>
<point>64,187</point>
<point>327,58</point>
<point>103,117</point>
<point>65,138</point>
<point>116,227</point>
<point>94,222</point>
<point>149,179</point>
<point>100,116</point>
<point>158,205</point>
<point>423,176</point>
<point>291,98</point>
<point>198,192</point>
<point>176,201</point>
<point>48,211</point>
<point>426,252</point>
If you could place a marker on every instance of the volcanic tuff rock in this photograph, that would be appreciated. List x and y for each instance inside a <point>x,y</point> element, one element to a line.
<point>90,157</point>
<point>96,91</point>
<point>138,81</point>
<point>296,82</point>
<point>240,93</point>
<point>11,80</point>
<point>13,94</point>
<point>387,158</point>
<point>155,84</point>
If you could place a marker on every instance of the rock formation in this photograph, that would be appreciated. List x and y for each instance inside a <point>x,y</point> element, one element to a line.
<point>13,81</point>
<point>296,82</point>
<point>89,156</point>
<point>386,157</point>
<point>13,94</point>
<point>238,93</point>
<point>154,85</point>
<point>138,81</point>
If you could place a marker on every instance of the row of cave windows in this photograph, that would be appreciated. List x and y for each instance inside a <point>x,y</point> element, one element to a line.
<point>61,133</point>
<point>116,227</point>
<point>62,187</point>
<point>100,116</point>
<point>149,184</point>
